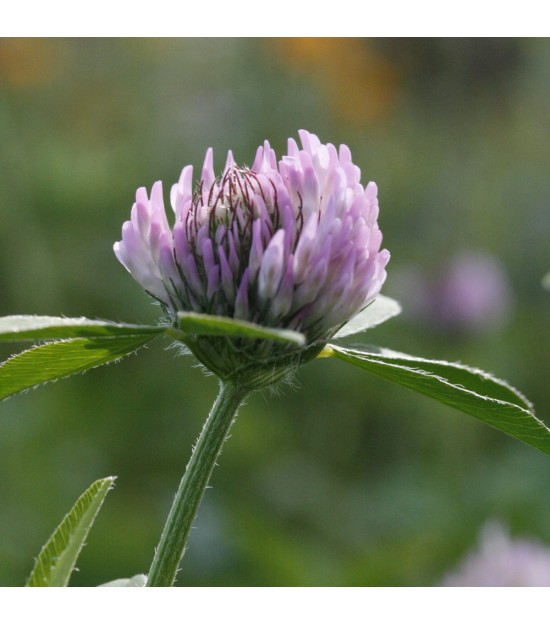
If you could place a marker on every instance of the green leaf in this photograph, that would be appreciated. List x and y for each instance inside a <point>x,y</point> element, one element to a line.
<point>22,327</point>
<point>380,310</point>
<point>57,559</point>
<point>132,582</point>
<point>52,361</point>
<point>469,390</point>
<point>211,325</point>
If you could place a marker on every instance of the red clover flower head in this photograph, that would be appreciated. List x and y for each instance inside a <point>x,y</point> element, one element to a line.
<point>293,244</point>
<point>500,560</point>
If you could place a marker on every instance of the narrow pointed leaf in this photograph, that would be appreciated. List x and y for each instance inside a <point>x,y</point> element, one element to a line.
<point>22,327</point>
<point>52,361</point>
<point>382,309</point>
<point>210,325</point>
<point>472,391</point>
<point>57,559</point>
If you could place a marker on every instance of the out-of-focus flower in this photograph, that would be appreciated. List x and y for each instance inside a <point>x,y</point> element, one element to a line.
<point>474,293</point>
<point>293,244</point>
<point>470,295</point>
<point>502,561</point>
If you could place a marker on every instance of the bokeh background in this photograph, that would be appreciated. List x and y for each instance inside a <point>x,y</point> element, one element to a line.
<point>348,479</point>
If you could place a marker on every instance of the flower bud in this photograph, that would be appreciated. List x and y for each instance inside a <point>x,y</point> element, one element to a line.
<point>293,244</point>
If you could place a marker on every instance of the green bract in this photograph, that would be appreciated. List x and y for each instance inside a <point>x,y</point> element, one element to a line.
<point>76,345</point>
<point>264,356</point>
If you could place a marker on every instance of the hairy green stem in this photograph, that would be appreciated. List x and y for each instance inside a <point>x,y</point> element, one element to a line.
<point>172,543</point>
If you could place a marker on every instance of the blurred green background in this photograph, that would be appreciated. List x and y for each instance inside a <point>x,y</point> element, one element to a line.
<point>346,480</point>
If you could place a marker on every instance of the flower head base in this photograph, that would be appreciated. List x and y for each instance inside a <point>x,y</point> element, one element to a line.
<point>293,244</point>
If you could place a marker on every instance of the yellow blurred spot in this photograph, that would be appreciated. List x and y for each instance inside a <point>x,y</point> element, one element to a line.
<point>327,352</point>
<point>28,62</point>
<point>361,84</point>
